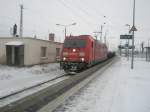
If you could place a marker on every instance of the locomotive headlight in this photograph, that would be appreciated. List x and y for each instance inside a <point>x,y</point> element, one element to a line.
<point>64,58</point>
<point>82,59</point>
<point>74,50</point>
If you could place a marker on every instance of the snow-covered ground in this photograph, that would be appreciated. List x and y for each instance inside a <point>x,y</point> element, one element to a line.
<point>118,89</point>
<point>13,78</point>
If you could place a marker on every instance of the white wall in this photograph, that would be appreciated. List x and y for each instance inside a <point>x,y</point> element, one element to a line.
<point>32,50</point>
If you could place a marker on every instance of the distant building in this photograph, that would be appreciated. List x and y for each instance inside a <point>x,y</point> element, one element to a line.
<point>52,37</point>
<point>147,53</point>
<point>28,51</point>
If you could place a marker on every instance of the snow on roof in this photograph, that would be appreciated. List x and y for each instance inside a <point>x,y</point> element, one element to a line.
<point>15,43</point>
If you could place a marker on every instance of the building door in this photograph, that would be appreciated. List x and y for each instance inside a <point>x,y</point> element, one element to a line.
<point>21,55</point>
<point>15,55</point>
<point>9,55</point>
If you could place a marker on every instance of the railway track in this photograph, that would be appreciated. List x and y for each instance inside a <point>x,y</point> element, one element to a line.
<point>38,100</point>
<point>31,87</point>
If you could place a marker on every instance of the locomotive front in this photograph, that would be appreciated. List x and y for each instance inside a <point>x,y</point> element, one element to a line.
<point>73,56</point>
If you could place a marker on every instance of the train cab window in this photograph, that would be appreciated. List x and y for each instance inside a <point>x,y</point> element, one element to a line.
<point>79,43</point>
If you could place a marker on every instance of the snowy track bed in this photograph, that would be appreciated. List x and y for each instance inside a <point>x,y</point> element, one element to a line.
<point>18,95</point>
<point>14,80</point>
<point>38,100</point>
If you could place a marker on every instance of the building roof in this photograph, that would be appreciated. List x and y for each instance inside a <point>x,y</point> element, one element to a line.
<point>15,43</point>
<point>24,38</point>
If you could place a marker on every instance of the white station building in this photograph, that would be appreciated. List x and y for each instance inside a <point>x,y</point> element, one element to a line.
<point>28,51</point>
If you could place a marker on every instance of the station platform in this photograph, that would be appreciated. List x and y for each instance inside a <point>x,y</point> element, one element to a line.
<point>118,89</point>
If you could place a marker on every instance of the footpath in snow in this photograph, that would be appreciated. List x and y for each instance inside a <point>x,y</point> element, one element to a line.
<point>13,79</point>
<point>118,89</point>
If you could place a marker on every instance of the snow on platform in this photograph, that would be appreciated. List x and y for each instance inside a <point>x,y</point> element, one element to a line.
<point>118,89</point>
<point>13,79</point>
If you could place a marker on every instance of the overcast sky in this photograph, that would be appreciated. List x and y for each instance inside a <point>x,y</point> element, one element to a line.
<point>41,17</point>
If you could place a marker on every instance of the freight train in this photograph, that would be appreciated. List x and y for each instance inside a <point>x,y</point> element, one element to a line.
<point>80,52</point>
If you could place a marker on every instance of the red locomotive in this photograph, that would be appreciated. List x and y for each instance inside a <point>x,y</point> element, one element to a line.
<point>80,52</point>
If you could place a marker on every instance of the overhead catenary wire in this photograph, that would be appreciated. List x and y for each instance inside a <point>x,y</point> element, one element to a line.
<point>99,18</point>
<point>75,13</point>
<point>98,15</point>
<point>82,10</point>
<point>89,16</point>
<point>82,5</point>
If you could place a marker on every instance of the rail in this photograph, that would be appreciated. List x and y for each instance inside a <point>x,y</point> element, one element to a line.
<point>31,87</point>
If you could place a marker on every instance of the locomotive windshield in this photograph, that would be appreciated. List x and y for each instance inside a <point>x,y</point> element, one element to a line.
<point>71,43</point>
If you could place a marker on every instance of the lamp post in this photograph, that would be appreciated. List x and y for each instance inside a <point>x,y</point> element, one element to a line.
<point>21,21</point>
<point>65,26</point>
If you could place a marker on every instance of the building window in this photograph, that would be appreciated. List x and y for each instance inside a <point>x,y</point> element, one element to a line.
<point>43,51</point>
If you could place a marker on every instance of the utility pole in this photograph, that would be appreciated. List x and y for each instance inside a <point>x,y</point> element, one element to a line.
<point>96,34</point>
<point>105,37</point>
<point>65,31</point>
<point>101,33</point>
<point>21,21</point>
<point>133,29</point>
